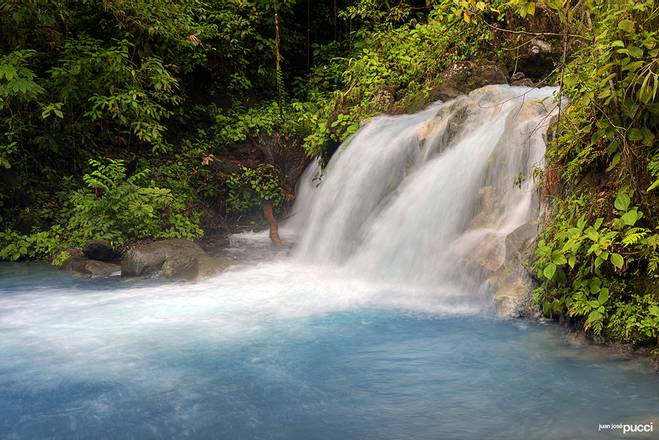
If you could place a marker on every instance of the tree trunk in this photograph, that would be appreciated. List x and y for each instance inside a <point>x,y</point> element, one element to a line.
<point>278,72</point>
<point>274,228</point>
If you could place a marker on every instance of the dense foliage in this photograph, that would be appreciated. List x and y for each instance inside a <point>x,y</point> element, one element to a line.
<point>112,206</point>
<point>599,258</point>
<point>147,84</point>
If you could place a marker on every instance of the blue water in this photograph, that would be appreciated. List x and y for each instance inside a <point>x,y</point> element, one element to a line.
<point>277,352</point>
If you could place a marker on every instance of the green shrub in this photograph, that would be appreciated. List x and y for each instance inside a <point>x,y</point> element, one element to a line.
<point>121,208</point>
<point>597,272</point>
<point>599,257</point>
<point>112,206</point>
<point>252,186</point>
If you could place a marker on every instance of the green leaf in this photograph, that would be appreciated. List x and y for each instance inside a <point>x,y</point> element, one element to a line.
<point>603,296</point>
<point>627,26</point>
<point>530,9</point>
<point>622,201</point>
<point>630,217</point>
<point>614,161</point>
<point>635,134</point>
<point>617,260</point>
<point>549,271</point>
<point>636,52</point>
<point>592,234</point>
<point>595,315</point>
<point>558,259</point>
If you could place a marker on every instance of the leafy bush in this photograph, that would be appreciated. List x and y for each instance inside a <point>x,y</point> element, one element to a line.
<point>120,208</point>
<point>112,206</point>
<point>252,186</point>
<point>39,245</point>
<point>592,271</point>
<point>599,257</point>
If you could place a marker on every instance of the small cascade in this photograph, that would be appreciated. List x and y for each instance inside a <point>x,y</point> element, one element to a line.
<point>427,200</point>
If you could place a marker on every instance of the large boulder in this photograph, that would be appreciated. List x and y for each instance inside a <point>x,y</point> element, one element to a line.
<point>100,250</point>
<point>79,265</point>
<point>148,258</point>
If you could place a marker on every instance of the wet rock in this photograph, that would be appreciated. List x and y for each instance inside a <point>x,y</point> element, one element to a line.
<point>519,79</point>
<point>100,250</point>
<point>194,267</point>
<point>520,242</point>
<point>490,208</point>
<point>147,258</point>
<point>511,300</point>
<point>511,283</point>
<point>84,267</point>
<point>487,251</point>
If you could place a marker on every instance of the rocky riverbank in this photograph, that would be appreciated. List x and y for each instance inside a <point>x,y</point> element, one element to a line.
<point>172,259</point>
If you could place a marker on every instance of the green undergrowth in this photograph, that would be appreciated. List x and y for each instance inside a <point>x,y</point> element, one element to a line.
<point>598,258</point>
<point>113,206</point>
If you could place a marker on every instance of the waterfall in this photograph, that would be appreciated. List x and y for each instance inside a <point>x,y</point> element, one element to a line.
<point>428,199</point>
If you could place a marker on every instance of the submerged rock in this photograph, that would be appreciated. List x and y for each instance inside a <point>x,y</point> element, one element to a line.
<point>82,266</point>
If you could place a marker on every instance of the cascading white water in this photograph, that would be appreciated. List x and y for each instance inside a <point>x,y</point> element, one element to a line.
<point>416,199</point>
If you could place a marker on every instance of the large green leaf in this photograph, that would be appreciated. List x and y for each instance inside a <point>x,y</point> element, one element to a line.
<point>617,260</point>
<point>622,201</point>
<point>549,271</point>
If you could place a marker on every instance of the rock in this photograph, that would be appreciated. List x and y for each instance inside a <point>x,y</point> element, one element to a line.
<point>538,59</point>
<point>100,250</point>
<point>490,208</point>
<point>464,76</point>
<point>487,74</point>
<point>147,258</point>
<point>512,299</point>
<point>84,267</point>
<point>525,82</point>
<point>540,46</point>
<point>383,99</point>
<point>177,259</point>
<point>511,283</point>
<point>486,250</point>
<point>194,267</point>
<point>519,243</point>
<point>445,92</point>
